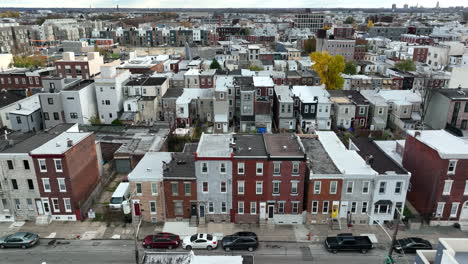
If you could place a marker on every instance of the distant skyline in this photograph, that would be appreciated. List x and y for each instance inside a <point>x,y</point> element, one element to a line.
<point>226,3</point>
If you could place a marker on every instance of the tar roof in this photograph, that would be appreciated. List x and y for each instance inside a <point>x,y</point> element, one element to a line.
<point>283,145</point>
<point>214,145</point>
<point>37,140</point>
<point>381,162</point>
<point>173,92</point>
<point>182,165</point>
<point>249,145</point>
<point>318,158</point>
<point>7,98</point>
<point>457,94</point>
<point>150,167</point>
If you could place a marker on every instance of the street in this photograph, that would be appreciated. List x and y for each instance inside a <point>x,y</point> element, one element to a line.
<point>122,251</point>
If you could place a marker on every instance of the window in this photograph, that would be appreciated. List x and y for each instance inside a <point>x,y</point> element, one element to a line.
<point>398,187</point>
<point>364,208</point>
<point>447,187</point>
<point>223,207</point>
<point>380,110</point>
<point>333,187</point>
<point>440,209</point>
<point>138,189</point>
<point>325,207</point>
<point>26,164</point>
<point>55,204</point>
<point>46,184</point>
<point>18,120</point>
<point>175,188</point>
<point>240,187</point>
<point>73,115</point>
<point>295,168</point>
<point>30,184</point>
<point>306,109</point>
<point>42,165</point>
<point>154,188</point>
<point>353,207</point>
<point>46,116</point>
<point>240,168</point>
<point>454,209</point>
<point>281,207</point>
<point>276,187</point>
<point>14,184</point>
<point>66,202</point>
<point>17,204</point>
<point>188,188</point>
<point>240,207</point>
<point>56,116</point>
<point>205,187</point>
<point>210,207</point>
<point>365,187</point>
<point>223,187</point>
<point>317,187</point>
<point>382,187</point>
<point>381,209</point>
<point>61,184</point>
<point>452,166</point>
<point>178,208</point>
<point>259,168</point>
<point>314,207</point>
<point>29,202</point>
<point>222,168</point>
<point>349,187</point>
<point>276,168</point>
<point>10,164</point>
<point>294,187</point>
<point>258,187</point>
<point>204,167</point>
<point>152,206</point>
<point>295,207</point>
<point>253,208</point>
<point>465,192</point>
<point>361,110</point>
<point>58,165</point>
<point>50,101</point>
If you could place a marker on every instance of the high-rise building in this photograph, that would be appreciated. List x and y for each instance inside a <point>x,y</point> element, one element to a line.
<point>393,6</point>
<point>405,6</point>
<point>313,21</point>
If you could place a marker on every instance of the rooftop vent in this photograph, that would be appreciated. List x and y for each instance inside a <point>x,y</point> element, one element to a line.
<point>249,148</point>
<point>417,134</point>
<point>57,144</point>
<point>285,147</point>
<point>69,142</point>
<point>148,169</point>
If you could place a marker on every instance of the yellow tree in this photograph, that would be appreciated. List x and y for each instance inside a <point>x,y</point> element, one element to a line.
<point>329,68</point>
<point>370,24</point>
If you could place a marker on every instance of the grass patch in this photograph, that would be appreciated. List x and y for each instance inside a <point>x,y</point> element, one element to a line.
<point>99,218</point>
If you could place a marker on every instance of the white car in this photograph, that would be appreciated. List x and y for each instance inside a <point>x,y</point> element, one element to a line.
<point>198,241</point>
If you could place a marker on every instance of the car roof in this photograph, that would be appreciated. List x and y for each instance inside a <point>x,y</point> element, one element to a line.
<point>20,234</point>
<point>164,234</point>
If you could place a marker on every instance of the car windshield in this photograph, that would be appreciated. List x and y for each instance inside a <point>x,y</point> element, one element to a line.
<point>209,237</point>
<point>193,238</point>
<point>116,200</point>
<point>28,235</point>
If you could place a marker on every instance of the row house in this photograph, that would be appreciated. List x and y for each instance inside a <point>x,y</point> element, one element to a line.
<point>378,110</point>
<point>24,81</point>
<point>404,108</point>
<point>343,99</point>
<point>207,78</point>
<point>448,107</point>
<point>194,104</point>
<point>221,104</point>
<point>440,187</point>
<point>268,178</point>
<point>64,184</point>
<point>147,190</point>
<point>83,68</point>
<point>168,102</point>
<point>283,109</point>
<point>19,189</point>
<point>26,116</point>
<point>312,107</point>
<point>245,100</point>
<point>360,183</point>
<point>343,111</point>
<point>75,103</point>
<point>263,103</point>
<point>213,169</point>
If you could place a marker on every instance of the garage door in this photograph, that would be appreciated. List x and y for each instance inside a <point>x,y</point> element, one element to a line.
<point>123,165</point>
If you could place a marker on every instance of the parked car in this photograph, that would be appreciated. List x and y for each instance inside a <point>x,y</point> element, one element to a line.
<point>348,243</point>
<point>249,243</point>
<point>20,239</point>
<point>162,240</point>
<point>246,234</point>
<point>200,241</point>
<point>411,244</point>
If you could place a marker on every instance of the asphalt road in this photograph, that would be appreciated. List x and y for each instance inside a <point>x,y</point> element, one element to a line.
<point>122,251</point>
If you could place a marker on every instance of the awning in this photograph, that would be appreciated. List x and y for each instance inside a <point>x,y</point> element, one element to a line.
<point>383,202</point>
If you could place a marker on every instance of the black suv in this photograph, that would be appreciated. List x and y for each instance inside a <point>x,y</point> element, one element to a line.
<point>249,243</point>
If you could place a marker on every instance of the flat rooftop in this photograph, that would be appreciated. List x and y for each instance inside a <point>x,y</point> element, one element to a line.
<point>150,167</point>
<point>58,144</point>
<point>249,145</point>
<point>318,158</point>
<point>283,145</point>
<point>447,145</point>
<point>214,145</point>
<point>79,86</point>
<point>182,165</point>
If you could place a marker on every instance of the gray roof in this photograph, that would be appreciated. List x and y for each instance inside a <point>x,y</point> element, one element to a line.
<point>319,161</point>
<point>249,145</point>
<point>173,92</point>
<point>7,98</point>
<point>455,94</point>
<point>182,165</point>
<point>283,145</point>
<point>37,140</point>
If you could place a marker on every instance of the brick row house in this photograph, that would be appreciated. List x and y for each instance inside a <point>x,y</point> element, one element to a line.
<point>439,189</point>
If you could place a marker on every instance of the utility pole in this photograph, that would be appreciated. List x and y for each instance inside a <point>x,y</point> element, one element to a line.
<point>389,259</point>
<point>137,230</point>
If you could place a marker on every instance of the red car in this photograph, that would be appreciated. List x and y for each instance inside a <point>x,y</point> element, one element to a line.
<point>162,240</point>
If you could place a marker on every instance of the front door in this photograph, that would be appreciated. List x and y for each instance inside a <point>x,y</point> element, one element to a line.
<point>262,210</point>
<point>202,210</point>
<point>39,208</point>
<point>344,209</point>
<point>46,205</point>
<point>193,209</point>
<point>464,211</point>
<point>271,209</point>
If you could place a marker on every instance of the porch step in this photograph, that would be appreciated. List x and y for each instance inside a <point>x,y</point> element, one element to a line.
<point>43,220</point>
<point>193,221</point>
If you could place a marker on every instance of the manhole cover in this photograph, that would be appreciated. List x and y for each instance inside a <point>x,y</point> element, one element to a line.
<point>96,244</point>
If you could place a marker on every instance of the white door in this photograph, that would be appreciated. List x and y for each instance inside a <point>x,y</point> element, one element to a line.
<point>39,208</point>
<point>262,210</point>
<point>208,117</point>
<point>464,212</point>
<point>46,206</point>
<point>343,209</point>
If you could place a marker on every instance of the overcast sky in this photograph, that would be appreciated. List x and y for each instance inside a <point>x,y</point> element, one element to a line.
<point>226,3</point>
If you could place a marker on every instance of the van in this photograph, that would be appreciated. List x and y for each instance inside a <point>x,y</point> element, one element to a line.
<point>121,194</point>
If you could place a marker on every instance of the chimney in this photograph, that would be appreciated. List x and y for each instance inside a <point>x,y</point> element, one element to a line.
<point>417,134</point>
<point>69,143</point>
<point>148,169</point>
<point>18,107</point>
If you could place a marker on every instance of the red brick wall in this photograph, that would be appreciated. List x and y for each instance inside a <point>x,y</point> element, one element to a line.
<point>60,67</point>
<point>324,193</point>
<point>186,200</point>
<point>34,82</point>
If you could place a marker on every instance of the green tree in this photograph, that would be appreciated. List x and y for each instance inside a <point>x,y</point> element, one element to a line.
<point>215,65</point>
<point>117,122</point>
<point>329,68</point>
<point>255,68</point>
<point>349,20</point>
<point>350,68</point>
<point>310,45</point>
<point>94,120</point>
<point>244,31</point>
<point>405,65</point>
<point>29,61</point>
